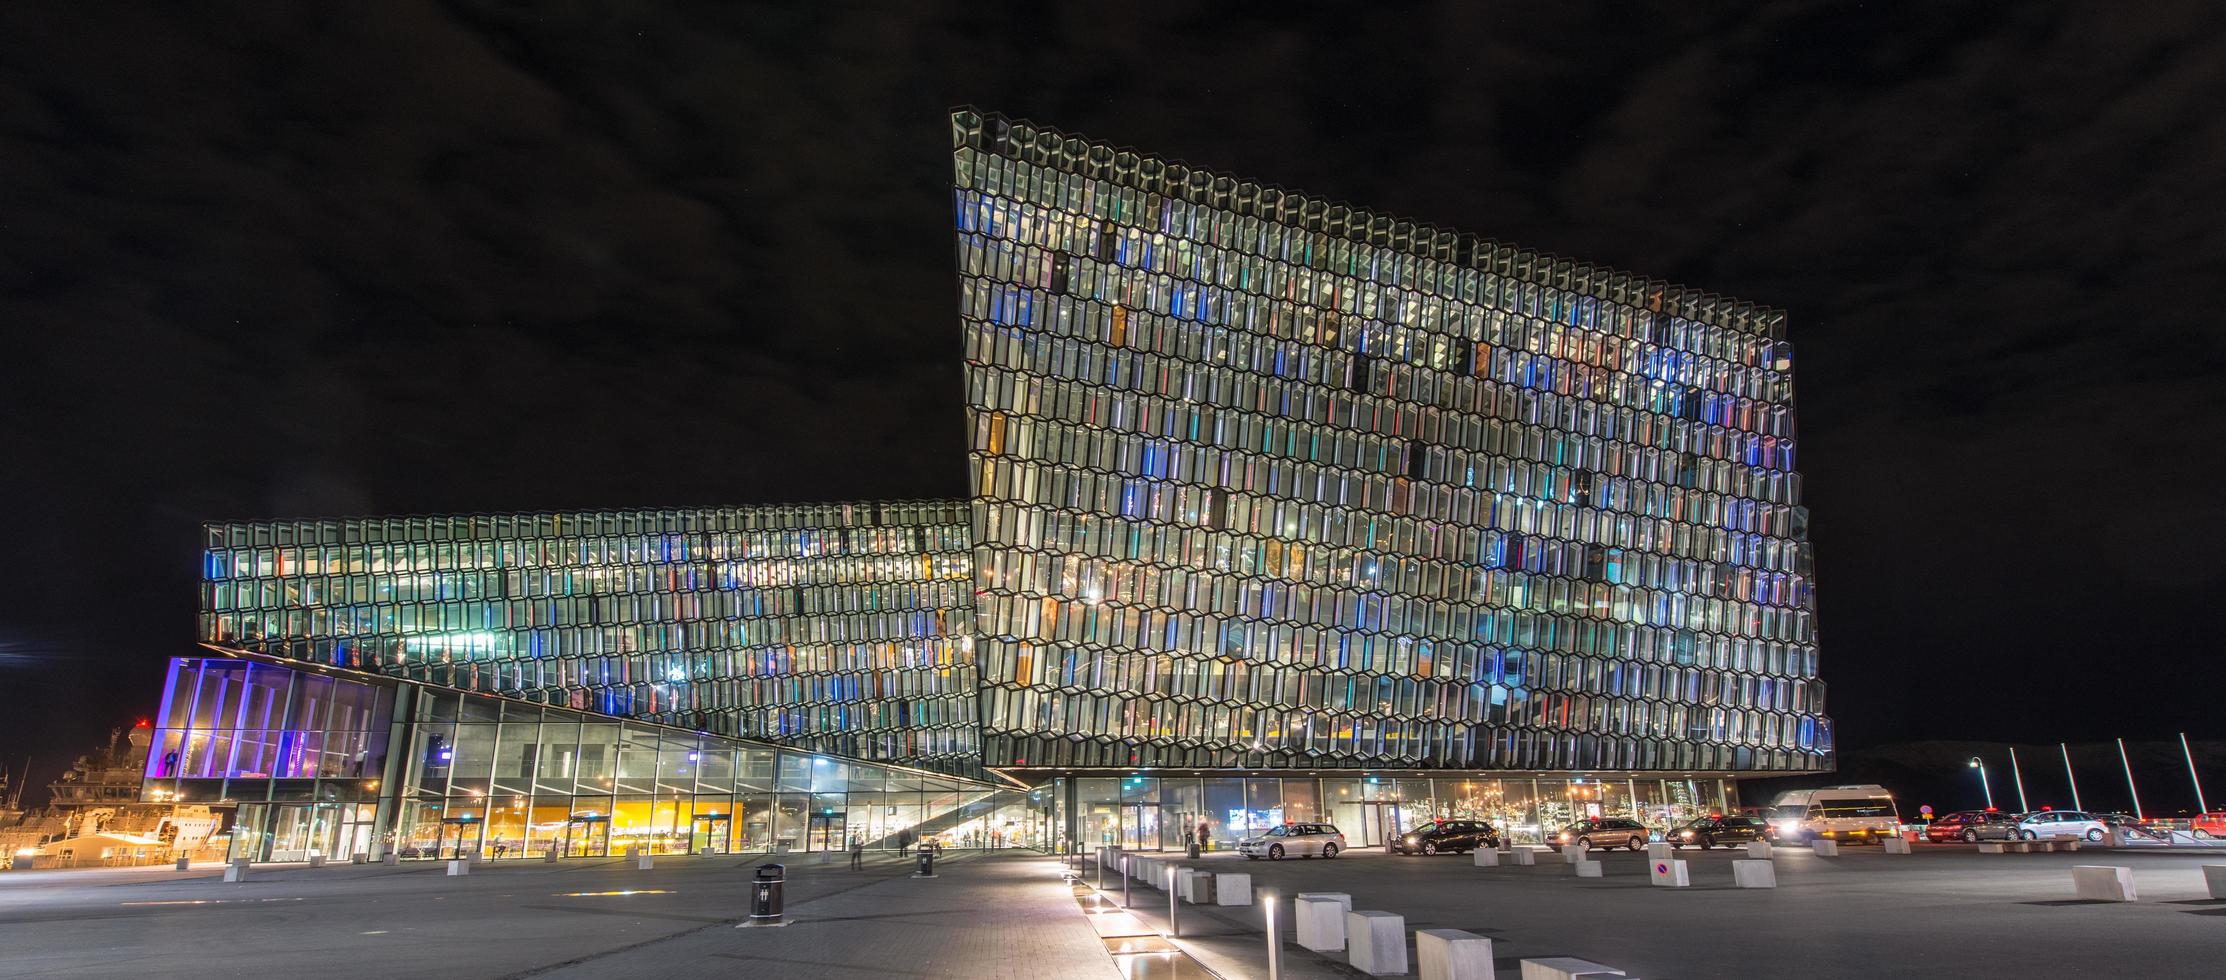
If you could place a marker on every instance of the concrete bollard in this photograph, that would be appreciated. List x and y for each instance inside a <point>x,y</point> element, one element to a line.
<point>645,862</point>
<point>1197,886</point>
<point>1230,888</point>
<point>1748,873</point>
<point>390,859</point>
<point>2069,845</point>
<point>1321,920</point>
<point>237,870</point>
<point>359,858</point>
<point>1523,856</point>
<point>1993,847</point>
<point>549,856</point>
<point>1450,954</point>
<point>2114,836</point>
<point>1824,848</point>
<point>1484,857</point>
<point>1588,869</point>
<point>2103,883</point>
<point>1376,943</point>
<point>1758,850</point>
<point>316,860</point>
<point>1667,874</point>
<point>185,864</point>
<point>2214,879</point>
<point>1658,851</point>
<point>1565,968</point>
<point>459,868</point>
<point>1897,845</point>
<point>1573,853</point>
<point>2046,847</point>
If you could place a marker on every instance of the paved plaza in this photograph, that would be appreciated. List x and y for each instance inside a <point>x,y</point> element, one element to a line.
<point>1942,912</point>
<point>1945,911</point>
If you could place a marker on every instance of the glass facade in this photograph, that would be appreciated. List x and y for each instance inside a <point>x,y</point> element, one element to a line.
<point>304,757</point>
<point>1260,485</point>
<point>1261,480</point>
<point>840,628</point>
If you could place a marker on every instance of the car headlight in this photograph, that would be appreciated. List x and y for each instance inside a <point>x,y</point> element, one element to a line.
<point>1687,833</point>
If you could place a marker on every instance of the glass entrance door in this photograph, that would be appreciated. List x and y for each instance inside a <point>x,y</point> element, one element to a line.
<point>587,835</point>
<point>1140,827</point>
<point>826,833</point>
<point>1380,821</point>
<point>711,832</point>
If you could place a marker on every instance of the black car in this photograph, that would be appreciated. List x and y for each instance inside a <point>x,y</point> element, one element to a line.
<point>1707,832</point>
<point>1444,836</point>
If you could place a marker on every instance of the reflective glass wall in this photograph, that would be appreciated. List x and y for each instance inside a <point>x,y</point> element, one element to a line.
<point>841,628</point>
<point>1267,481</point>
<point>1145,812</point>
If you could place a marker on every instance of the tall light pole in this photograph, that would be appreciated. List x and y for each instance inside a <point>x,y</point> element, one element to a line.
<point>2128,763</point>
<point>1981,767</point>
<point>2068,774</point>
<point>2200,806</point>
<point>2018,776</point>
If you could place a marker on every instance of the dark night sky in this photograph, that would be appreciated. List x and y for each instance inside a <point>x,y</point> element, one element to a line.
<point>287,260</point>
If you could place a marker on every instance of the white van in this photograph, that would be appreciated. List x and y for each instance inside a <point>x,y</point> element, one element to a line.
<point>1856,814</point>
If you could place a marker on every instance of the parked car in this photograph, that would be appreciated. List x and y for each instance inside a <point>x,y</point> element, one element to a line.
<point>1987,825</point>
<point>1707,832</point>
<point>1854,813</point>
<point>1457,836</point>
<point>2211,824</point>
<point>2059,825</point>
<point>1293,840</point>
<point>1606,832</point>
<point>1950,826</point>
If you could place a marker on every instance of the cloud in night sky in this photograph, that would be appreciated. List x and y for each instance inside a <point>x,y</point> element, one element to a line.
<point>292,261</point>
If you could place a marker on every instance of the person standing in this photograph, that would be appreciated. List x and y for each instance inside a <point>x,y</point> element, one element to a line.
<point>857,853</point>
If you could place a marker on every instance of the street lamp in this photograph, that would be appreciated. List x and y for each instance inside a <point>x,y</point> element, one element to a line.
<point>1981,767</point>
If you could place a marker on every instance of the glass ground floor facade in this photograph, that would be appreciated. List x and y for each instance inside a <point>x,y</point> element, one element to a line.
<point>1154,811</point>
<point>339,764</point>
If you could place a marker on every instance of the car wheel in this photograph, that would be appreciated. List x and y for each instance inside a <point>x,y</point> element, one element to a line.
<point>1275,853</point>
<point>1970,836</point>
<point>1678,846</point>
<point>2094,834</point>
<point>2031,835</point>
<point>1634,843</point>
<point>1329,851</point>
<point>1429,847</point>
<point>1707,842</point>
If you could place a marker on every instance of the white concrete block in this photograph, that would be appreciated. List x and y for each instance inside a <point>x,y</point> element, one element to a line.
<point>2103,882</point>
<point>185,863</point>
<point>1897,845</point>
<point>1667,874</point>
<point>2021,847</point>
<point>316,860</point>
<point>458,868</point>
<point>2214,878</point>
<point>2114,836</point>
<point>1450,954</point>
<point>1523,856</point>
<point>236,871</point>
<point>2068,845</point>
<point>1565,968</point>
<point>1321,920</point>
<point>390,858</point>
<point>645,862</point>
<point>1484,857</point>
<point>1993,847</point>
<point>1588,869</point>
<point>1658,851</point>
<point>1748,873</point>
<point>1232,889</point>
<point>1197,886</point>
<point>1376,943</point>
<point>549,856</point>
<point>1759,850</point>
<point>1825,848</point>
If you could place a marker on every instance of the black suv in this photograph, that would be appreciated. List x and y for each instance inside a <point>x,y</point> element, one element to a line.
<point>1444,835</point>
<point>1707,832</point>
<point>1608,832</point>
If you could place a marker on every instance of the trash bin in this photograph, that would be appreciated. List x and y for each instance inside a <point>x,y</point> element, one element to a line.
<point>927,863</point>
<point>765,892</point>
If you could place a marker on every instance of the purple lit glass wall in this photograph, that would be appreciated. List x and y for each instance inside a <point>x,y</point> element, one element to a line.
<point>284,731</point>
